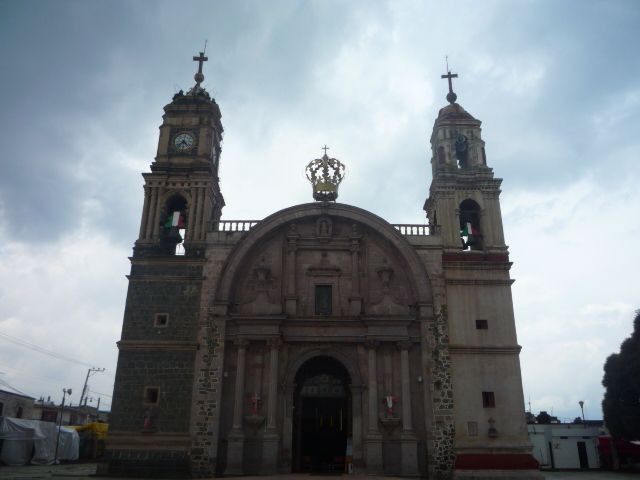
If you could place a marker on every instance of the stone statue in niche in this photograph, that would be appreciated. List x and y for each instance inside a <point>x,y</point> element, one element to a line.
<point>324,228</point>
<point>387,304</point>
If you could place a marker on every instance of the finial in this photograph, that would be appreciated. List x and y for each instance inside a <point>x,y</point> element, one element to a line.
<point>451,96</point>
<point>325,175</point>
<point>199,76</point>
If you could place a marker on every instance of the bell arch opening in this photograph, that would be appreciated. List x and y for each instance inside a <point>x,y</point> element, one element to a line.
<point>174,224</point>
<point>322,421</point>
<point>470,229</point>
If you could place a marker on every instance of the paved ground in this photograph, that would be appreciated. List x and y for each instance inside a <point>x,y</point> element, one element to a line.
<point>85,471</point>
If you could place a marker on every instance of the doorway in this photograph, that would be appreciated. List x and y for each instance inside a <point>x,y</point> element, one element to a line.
<point>582,455</point>
<point>322,417</point>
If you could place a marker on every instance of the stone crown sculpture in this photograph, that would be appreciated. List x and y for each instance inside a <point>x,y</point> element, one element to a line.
<point>325,175</point>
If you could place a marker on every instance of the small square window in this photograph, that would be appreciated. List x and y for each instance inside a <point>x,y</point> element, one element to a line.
<point>482,324</point>
<point>151,395</point>
<point>323,299</point>
<point>472,429</point>
<point>161,320</point>
<point>488,400</point>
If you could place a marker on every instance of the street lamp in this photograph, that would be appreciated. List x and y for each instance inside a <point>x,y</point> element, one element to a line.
<point>65,392</point>
<point>581,403</point>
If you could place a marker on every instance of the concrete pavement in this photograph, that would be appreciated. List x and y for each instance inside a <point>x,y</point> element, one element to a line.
<point>86,471</point>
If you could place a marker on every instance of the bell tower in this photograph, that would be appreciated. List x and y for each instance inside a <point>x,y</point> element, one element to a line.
<point>182,191</point>
<point>463,208</point>
<point>464,195</point>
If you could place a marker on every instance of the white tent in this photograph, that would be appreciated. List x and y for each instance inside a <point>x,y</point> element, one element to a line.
<point>33,441</point>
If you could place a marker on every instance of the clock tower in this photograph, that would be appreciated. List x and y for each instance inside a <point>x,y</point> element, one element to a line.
<point>182,191</point>
<point>152,400</point>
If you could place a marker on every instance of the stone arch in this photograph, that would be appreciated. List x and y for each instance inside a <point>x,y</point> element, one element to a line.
<point>350,364</point>
<point>280,220</point>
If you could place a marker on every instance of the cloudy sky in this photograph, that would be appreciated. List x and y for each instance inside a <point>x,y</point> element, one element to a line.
<point>554,82</point>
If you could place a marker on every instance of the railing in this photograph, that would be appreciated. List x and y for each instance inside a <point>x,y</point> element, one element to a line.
<point>246,225</point>
<point>233,225</point>
<point>415,230</point>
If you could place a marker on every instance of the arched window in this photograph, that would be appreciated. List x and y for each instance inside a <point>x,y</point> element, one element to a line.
<point>470,231</point>
<point>19,412</point>
<point>174,224</point>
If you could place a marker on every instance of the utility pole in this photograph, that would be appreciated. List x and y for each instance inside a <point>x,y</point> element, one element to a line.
<point>84,389</point>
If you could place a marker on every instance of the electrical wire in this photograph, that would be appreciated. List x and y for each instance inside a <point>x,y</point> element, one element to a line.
<point>36,348</point>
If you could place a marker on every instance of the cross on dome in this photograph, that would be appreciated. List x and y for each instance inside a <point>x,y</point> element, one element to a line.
<point>199,76</point>
<point>451,96</point>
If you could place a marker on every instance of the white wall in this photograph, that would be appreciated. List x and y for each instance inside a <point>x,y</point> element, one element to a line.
<point>564,441</point>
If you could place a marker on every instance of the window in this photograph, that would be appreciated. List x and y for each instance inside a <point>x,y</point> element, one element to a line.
<point>151,395</point>
<point>1,408</point>
<point>323,299</point>
<point>19,412</point>
<point>161,320</point>
<point>482,324</point>
<point>472,429</point>
<point>488,400</point>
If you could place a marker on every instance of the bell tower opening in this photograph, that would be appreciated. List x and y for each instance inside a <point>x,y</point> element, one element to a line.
<point>175,224</point>
<point>470,233</point>
<point>322,426</point>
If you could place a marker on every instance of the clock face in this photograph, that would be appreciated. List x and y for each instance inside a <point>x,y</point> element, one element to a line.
<point>183,142</point>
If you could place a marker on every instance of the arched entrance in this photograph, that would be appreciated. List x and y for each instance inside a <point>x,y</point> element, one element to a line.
<point>322,426</point>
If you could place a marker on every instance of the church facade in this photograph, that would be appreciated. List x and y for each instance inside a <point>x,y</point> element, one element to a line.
<point>321,338</point>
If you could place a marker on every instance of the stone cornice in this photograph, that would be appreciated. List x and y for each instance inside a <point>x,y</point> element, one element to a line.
<point>485,349</point>
<point>148,441</point>
<point>172,345</point>
<point>479,281</point>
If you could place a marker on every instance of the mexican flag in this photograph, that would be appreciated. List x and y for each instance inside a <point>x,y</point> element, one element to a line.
<point>468,229</point>
<point>175,219</point>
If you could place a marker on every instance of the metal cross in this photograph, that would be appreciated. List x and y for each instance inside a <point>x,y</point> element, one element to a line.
<point>325,148</point>
<point>449,76</point>
<point>200,59</point>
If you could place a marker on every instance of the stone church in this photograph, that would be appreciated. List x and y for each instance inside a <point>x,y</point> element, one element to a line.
<point>321,338</point>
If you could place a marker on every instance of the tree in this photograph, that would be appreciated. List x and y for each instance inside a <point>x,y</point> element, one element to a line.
<point>621,404</point>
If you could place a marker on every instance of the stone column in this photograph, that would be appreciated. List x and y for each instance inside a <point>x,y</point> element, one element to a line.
<point>235,450</point>
<point>292,247</point>
<point>151,212</point>
<point>408,439</point>
<point>355,299</point>
<point>145,214</point>
<point>374,438</point>
<point>287,428</point>
<point>197,233</point>
<point>191,220</point>
<point>271,437</point>
<point>155,219</point>
<point>356,428</point>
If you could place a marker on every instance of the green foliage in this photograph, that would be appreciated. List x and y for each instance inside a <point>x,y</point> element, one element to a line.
<point>621,404</point>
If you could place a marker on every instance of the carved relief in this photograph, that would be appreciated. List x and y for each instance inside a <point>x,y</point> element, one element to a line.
<point>262,304</point>
<point>387,305</point>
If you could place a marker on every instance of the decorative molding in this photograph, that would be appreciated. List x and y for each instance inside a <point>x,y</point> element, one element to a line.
<point>156,345</point>
<point>478,281</point>
<point>485,349</point>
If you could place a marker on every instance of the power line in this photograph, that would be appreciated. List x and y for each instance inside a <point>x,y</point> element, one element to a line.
<point>98,393</point>
<point>36,348</point>
<point>7,384</point>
